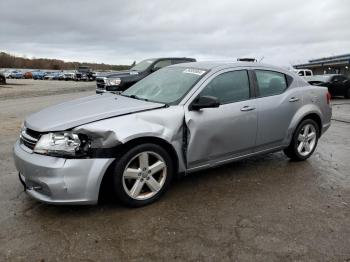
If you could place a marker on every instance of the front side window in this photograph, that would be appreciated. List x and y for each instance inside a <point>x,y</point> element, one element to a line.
<point>168,85</point>
<point>270,83</point>
<point>229,87</point>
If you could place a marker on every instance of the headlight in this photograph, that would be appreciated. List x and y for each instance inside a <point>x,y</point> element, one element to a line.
<point>113,81</point>
<point>59,144</point>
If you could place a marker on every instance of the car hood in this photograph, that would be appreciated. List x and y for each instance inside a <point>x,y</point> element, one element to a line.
<point>85,110</point>
<point>125,73</point>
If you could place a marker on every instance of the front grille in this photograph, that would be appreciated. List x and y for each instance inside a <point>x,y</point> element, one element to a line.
<point>29,138</point>
<point>112,88</point>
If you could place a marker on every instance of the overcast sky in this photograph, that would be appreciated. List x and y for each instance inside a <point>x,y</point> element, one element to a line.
<point>119,32</point>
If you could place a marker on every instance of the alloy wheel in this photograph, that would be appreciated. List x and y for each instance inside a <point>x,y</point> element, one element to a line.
<point>144,176</point>
<point>306,140</point>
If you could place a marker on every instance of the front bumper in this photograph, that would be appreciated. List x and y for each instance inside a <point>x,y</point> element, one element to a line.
<point>58,180</point>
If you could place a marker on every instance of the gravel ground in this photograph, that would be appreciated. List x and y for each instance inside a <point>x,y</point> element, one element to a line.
<point>19,88</point>
<point>265,208</point>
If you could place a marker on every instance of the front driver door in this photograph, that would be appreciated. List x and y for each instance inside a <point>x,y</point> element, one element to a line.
<point>216,135</point>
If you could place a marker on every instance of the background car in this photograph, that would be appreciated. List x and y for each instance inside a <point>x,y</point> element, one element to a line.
<point>39,75</point>
<point>28,75</point>
<point>2,79</point>
<point>7,73</point>
<point>59,76</point>
<point>54,76</point>
<point>122,80</point>
<point>79,76</point>
<point>85,73</point>
<point>49,76</point>
<point>69,76</point>
<point>338,85</point>
<point>16,75</point>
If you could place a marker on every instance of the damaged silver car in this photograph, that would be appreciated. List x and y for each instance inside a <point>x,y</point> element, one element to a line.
<point>181,119</point>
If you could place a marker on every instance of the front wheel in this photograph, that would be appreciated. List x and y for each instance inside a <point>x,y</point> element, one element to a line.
<point>142,175</point>
<point>304,140</point>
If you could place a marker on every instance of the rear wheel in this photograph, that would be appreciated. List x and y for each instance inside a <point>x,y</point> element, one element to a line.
<point>142,175</point>
<point>304,140</point>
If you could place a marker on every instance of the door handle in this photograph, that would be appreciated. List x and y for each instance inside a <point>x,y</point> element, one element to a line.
<point>294,99</point>
<point>247,108</point>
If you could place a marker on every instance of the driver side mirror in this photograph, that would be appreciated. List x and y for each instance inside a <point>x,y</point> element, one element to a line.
<point>204,102</point>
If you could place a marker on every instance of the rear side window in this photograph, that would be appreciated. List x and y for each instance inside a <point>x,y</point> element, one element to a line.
<point>307,73</point>
<point>270,83</point>
<point>229,87</point>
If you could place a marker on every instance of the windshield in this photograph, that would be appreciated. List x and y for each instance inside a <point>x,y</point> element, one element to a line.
<point>168,85</point>
<point>142,65</point>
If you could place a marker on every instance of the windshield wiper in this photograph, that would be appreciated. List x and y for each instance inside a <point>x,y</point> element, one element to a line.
<point>135,97</point>
<point>144,99</point>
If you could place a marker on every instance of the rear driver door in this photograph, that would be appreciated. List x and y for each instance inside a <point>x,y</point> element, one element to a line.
<point>277,104</point>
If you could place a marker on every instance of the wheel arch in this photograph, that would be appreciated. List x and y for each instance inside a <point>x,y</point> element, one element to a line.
<point>104,187</point>
<point>306,112</point>
<point>152,140</point>
<point>314,117</point>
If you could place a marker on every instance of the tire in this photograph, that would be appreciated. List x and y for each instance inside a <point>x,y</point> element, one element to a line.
<point>298,149</point>
<point>140,186</point>
<point>347,94</point>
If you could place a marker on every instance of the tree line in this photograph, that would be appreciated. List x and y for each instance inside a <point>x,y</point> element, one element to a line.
<point>12,61</point>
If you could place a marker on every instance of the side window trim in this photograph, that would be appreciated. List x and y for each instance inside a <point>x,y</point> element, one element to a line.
<point>161,60</point>
<point>286,77</point>
<point>177,61</point>
<point>253,84</point>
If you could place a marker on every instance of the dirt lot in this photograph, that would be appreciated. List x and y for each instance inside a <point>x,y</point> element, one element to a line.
<point>265,208</point>
<point>19,88</point>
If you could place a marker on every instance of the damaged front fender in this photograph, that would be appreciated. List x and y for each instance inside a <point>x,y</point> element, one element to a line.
<point>165,124</point>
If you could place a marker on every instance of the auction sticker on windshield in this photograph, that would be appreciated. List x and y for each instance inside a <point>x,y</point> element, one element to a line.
<point>194,71</point>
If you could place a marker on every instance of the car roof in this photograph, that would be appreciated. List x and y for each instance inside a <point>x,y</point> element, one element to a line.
<point>174,58</point>
<point>223,65</point>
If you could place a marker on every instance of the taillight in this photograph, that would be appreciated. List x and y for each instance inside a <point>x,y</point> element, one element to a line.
<point>328,98</point>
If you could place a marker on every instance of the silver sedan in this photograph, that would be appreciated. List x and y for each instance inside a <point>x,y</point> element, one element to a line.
<point>178,120</point>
